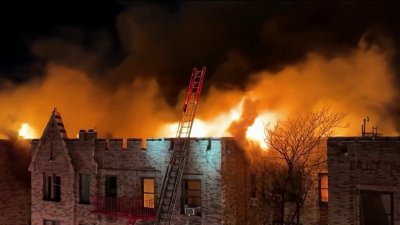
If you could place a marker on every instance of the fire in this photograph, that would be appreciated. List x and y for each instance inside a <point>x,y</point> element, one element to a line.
<point>216,127</point>
<point>256,132</point>
<point>26,131</point>
<point>219,126</point>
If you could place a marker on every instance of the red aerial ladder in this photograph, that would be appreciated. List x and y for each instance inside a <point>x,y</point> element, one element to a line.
<point>173,175</point>
<point>134,208</point>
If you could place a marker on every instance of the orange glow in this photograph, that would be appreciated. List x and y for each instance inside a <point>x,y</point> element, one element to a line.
<point>214,127</point>
<point>148,192</point>
<point>26,131</point>
<point>256,132</point>
<point>324,188</point>
<point>220,124</point>
<point>351,83</point>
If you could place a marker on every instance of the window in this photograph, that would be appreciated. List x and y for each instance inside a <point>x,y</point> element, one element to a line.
<point>51,222</point>
<point>323,187</point>
<point>51,187</point>
<point>191,196</point>
<point>84,188</point>
<point>376,208</point>
<point>111,186</point>
<point>148,192</point>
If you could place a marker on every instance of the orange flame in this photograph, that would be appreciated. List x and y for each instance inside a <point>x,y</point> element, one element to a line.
<point>26,131</point>
<point>219,126</point>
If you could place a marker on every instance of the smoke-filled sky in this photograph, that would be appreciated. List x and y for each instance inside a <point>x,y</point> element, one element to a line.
<point>122,68</point>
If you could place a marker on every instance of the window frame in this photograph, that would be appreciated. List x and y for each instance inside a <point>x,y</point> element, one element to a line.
<point>320,188</point>
<point>185,197</point>
<point>51,187</point>
<point>144,193</point>
<point>83,201</point>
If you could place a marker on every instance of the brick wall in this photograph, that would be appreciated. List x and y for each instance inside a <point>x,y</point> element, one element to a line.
<point>361,164</point>
<point>14,184</point>
<point>216,162</point>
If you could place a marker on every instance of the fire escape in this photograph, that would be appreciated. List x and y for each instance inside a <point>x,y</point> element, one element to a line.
<point>173,175</point>
<point>136,208</point>
<point>132,208</point>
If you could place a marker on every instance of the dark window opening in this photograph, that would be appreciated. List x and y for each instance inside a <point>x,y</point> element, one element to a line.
<point>376,208</point>
<point>84,189</point>
<point>51,187</point>
<point>191,196</point>
<point>323,187</point>
<point>111,186</point>
<point>148,192</point>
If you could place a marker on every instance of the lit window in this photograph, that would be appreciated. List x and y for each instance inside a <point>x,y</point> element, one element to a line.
<point>51,187</point>
<point>148,192</point>
<point>323,188</point>
<point>84,188</point>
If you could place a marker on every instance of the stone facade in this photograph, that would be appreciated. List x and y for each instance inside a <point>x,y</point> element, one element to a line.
<point>364,174</point>
<point>14,183</point>
<point>217,162</point>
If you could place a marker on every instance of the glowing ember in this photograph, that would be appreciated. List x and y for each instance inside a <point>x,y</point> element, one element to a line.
<point>26,131</point>
<point>256,132</point>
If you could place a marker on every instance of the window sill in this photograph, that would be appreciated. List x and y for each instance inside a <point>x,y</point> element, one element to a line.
<point>323,204</point>
<point>51,200</point>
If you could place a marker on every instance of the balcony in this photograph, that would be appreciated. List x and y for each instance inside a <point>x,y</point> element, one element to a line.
<point>132,208</point>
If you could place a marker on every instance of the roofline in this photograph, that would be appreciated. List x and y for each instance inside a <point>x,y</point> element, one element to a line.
<point>364,139</point>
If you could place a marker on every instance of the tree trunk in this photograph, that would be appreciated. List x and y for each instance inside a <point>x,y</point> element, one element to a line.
<point>282,219</point>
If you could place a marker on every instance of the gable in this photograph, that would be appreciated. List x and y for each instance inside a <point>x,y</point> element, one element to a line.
<point>51,152</point>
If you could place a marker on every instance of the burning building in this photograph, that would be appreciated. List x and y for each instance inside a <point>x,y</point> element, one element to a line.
<point>87,180</point>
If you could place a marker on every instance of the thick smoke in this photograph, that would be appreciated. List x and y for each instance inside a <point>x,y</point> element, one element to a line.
<point>132,109</point>
<point>276,58</point>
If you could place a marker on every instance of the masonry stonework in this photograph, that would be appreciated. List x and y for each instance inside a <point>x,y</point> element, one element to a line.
<point>363,165</point>
<point>218,163</point>
<point>14,184</point>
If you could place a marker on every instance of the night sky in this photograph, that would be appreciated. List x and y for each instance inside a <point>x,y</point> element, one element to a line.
<point>266,34</point>
<point>167,39</point>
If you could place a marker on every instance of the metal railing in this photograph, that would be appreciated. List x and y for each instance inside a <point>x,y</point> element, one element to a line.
<point>129,207</point>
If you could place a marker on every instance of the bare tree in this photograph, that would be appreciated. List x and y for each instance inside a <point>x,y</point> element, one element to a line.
<point>295,156</point>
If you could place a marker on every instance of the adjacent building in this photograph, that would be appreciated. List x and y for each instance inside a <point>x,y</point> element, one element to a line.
<point>364,180</point>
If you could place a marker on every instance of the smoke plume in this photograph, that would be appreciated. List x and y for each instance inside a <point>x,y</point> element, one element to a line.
<point>263,67</point>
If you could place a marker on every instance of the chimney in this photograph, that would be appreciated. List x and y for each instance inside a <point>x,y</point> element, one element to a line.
<point>91,134</point>
<point>82,135</point>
